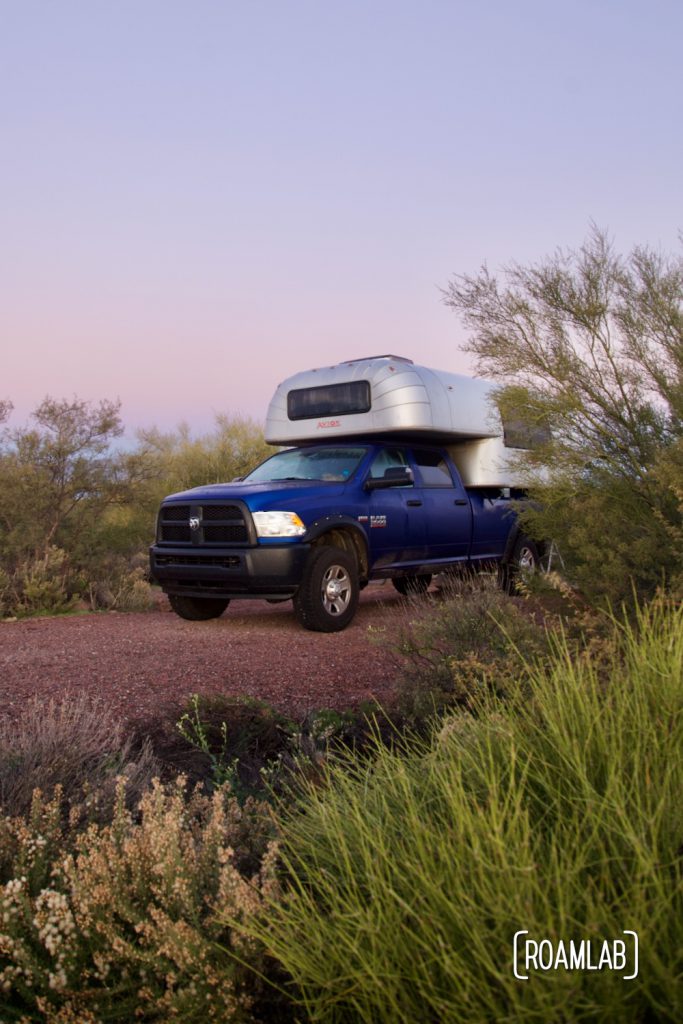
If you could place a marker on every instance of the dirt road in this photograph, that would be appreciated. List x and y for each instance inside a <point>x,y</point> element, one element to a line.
<point>138,662</point>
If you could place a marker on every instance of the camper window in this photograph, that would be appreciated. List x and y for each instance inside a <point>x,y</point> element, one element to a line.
<point>329,400</point>
<point>433,469</point>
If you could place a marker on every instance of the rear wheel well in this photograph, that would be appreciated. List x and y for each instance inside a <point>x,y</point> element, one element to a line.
<point>347,540</point>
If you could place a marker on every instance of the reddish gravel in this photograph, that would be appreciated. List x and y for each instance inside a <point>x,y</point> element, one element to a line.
<point>139,662</point>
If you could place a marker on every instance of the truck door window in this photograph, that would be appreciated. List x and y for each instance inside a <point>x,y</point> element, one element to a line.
<point>388,458</point>
<point>433,468</point>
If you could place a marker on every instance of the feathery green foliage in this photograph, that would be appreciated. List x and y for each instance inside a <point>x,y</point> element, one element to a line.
<point>559,814</point>
<point>589,344</point>
<point>77,515</point>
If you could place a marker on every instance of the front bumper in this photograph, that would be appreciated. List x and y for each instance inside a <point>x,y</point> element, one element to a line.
<point>263,571</point>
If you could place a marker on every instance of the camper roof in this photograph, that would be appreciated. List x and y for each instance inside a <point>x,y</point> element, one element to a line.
<point>380,395</point>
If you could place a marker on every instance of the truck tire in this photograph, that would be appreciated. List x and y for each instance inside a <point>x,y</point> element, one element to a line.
<point>327,599</point>
<point>524,560</point>
<point>411,585</point>
<point>198,609</point>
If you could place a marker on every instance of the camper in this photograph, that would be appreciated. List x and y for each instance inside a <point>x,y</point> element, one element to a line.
<point>386,470</point>
<point>390,397</point>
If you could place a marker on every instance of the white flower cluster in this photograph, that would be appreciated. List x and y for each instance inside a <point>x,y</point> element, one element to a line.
<point>13,895</point>
<point>55,925</point>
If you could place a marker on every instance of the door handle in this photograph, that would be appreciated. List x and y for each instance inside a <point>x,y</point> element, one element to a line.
<point>461,501</point>
<point>414,502</point>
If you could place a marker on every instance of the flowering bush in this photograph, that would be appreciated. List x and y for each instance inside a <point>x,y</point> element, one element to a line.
<point>129,920</point>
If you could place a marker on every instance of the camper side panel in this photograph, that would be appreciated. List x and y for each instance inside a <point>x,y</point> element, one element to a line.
<point>404,399</point>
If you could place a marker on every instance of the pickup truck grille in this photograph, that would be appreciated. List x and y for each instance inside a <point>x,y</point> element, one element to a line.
<point>218,524</point>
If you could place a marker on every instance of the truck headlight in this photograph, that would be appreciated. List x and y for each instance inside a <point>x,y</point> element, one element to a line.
<point>278,524</point>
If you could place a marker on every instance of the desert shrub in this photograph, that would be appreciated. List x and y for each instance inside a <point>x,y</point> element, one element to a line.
<point>76,744</point>
<point>119,583</point>
<point>176,460</point>
<point>7,598</point>
<point>558,812</point>
<point>44,583</point>
<point>130,923</point>
<point>41,584</point>
<point>220,739</point>
<point>78,515</point>
<point>472,637</point>
<point>325,732</point>
<point>246,744</point>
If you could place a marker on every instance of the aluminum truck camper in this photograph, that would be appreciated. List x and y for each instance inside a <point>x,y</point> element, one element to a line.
<point>380,395</point>
<point>389,396</point>
<point>387,470</point>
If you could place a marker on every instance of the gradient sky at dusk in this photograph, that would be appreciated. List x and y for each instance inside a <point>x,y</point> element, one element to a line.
<point>200,198</point>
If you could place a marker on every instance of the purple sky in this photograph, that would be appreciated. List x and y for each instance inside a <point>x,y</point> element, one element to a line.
<point>201,198</point>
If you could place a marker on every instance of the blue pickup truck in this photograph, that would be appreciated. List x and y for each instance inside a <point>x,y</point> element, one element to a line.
<point>315,523</point>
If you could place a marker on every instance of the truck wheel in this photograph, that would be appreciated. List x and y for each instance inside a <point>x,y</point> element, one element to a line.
<point>409,585</point>
<point>327,599</point>
<point>198,609</point>
<point>524,560</point>
<point>525,557</point>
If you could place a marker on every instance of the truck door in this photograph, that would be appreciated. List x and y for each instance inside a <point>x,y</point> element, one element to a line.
<point>394,519</point>
<point>447,511</point>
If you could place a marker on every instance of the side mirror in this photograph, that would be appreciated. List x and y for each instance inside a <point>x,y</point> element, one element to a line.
<point>397,476</point>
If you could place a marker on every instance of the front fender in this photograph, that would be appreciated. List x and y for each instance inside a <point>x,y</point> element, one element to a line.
<point>338,522</point>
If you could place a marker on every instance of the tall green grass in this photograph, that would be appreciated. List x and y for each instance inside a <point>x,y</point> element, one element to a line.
<point>562,814</point>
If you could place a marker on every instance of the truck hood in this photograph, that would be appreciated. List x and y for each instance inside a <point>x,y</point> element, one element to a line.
<point>282,495</point>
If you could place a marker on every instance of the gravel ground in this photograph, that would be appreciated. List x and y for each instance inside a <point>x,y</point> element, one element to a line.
<point>139,662</point>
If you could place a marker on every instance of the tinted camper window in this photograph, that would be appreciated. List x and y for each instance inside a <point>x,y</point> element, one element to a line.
<point>329,400</point>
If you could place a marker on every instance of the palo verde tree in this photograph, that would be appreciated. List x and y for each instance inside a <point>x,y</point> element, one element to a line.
<point>57,473</point>
<point>76,516</point>
<point>588,345</point>
<point>58,476</point>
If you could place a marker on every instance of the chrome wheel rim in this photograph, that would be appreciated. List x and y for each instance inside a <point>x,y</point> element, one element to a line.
<point>526,560</point>
<point>336,590</point>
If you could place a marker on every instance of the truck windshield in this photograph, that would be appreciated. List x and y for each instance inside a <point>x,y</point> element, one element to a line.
<point>308,464</point>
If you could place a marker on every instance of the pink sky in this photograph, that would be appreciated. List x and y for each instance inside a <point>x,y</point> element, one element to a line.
<point>199,200</point>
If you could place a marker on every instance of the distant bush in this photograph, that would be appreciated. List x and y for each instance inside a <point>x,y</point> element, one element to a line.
<point>78,516</point>
<point>234,447</point>
<point>7,599</point>
<point>120,584</point>
<point>42,584</point>
<point>76,744</point>
<point>556,810</point>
